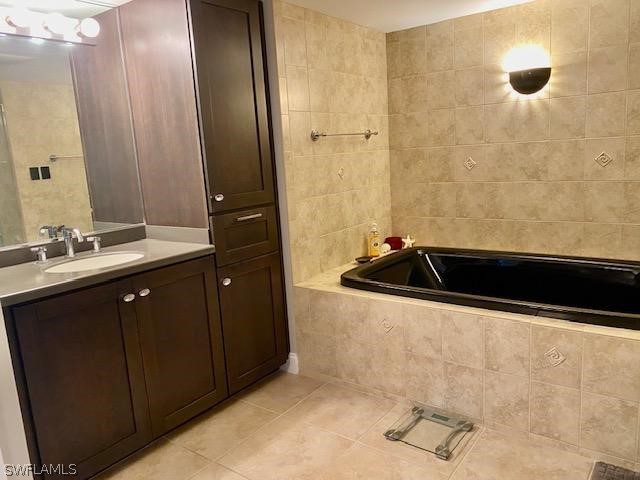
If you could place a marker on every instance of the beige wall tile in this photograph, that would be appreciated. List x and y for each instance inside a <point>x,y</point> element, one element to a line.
<point>498,40</point>
<point>441,127</point>
<point>297,88</point>
<point>634,30</point>
<point>468,47</point>
<point>632,159</point>
<point>507,400</point>
<point>496,85</point>
<point>609,425</point>
<point>440,46</point>
<point>415,96</point>
<point>633,113</point>
<point>441,91</point>
<point>606,367</point>
<point>602,241</point>
<point>506,346</point>
<point>469,125</point>
<point>295,49</point>
<point>422,331</point>
<point>467,82</point>
<point>424,379</point>
<point>517,121</point>
<point>566,160</point>
<point>568,117</point>
<point>317,353</point>
<point>604,201</point>
<point>569,26</point>
<point>462,336</point>
<point>463,390</point>
<point>609,23</point>
<point>634,65</point>
<point>554,412</point>
<point>569,74</point>
<point>544,340</point>
<point>606,114</point>
<point>608,69</point>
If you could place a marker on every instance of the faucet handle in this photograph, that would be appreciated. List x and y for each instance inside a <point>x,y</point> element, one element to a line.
<point>41,253</point>
<point>97,243</point>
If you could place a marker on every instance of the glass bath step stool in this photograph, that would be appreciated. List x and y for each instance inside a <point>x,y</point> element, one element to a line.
<point>430,430</point>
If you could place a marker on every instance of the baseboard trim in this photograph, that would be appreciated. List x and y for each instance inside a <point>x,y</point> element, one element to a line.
<point>292,365</point>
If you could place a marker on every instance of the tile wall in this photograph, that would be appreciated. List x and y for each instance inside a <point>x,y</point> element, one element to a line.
<point>534,184</point>
<point>552,381</point>
<point>333,78</point>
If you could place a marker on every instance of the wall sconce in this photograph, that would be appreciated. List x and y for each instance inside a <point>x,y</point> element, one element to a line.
<point>529,68</point>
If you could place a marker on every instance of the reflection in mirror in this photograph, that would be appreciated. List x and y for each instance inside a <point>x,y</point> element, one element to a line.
<point>40,120</point>
<point>67,152</point>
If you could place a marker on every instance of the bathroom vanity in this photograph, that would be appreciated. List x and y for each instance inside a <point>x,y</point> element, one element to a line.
<point>108,360</point>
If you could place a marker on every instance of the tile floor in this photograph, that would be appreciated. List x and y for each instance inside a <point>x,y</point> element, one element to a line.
<point>294,427</point>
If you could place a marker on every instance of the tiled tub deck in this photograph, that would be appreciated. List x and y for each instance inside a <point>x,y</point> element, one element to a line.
<point>576,386</point>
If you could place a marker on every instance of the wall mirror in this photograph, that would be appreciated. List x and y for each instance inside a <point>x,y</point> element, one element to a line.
<point>66,138</point>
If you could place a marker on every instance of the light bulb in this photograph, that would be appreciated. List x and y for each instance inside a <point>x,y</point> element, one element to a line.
<point>526,57</point>
<point>89,27</point>
<point>19,17</point>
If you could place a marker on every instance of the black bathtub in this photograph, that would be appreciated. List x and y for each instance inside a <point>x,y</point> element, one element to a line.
<point>581,290</point>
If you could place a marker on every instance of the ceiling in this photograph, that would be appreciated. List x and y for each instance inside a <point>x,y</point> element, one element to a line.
<point>71,8</point>
<point>392,15</point>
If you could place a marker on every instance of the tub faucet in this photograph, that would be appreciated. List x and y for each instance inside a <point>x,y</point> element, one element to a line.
<point>67,235</point>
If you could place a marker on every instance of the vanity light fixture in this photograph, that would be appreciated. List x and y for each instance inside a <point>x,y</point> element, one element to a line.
<point>89,28</point>
<point>20,21</point>
<point>529,68</point>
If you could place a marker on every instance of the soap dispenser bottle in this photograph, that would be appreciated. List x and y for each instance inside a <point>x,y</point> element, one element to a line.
<point>374,241</point>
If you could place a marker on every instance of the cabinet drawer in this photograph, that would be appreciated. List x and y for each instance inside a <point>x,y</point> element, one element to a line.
<point>246,234</point>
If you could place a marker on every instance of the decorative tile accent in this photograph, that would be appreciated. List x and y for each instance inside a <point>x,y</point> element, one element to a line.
<point>604,159</point>
<point>554,357</point>
<point>470,163</point>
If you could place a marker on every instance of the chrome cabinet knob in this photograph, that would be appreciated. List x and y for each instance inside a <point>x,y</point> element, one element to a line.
<point>219,197</point>
<point>145,292</point>
<point>128,298</point>
<point>226,281</point>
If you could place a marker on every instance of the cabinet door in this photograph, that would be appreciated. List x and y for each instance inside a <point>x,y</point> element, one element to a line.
<point>233,102</point>
<point>83,374</point>
<point>253,319</point>
<point>179,322</point>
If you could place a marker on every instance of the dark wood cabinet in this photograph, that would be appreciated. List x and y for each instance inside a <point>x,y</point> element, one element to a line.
<point>253,319</point>
<point>228,48</point>
<point>105,370</point>
<point>84,378</point>
<point>181,340</point>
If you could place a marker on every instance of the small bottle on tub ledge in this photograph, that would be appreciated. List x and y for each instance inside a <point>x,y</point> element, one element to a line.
<point>373,242</point>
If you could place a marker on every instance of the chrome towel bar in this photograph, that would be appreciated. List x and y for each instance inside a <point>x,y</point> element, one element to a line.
<point>315,134</point>
<point>55,158</point>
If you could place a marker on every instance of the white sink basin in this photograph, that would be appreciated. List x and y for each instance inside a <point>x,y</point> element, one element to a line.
<point>95,262</point>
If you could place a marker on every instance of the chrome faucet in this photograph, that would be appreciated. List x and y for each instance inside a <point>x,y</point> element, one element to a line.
<point>68,234</point>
